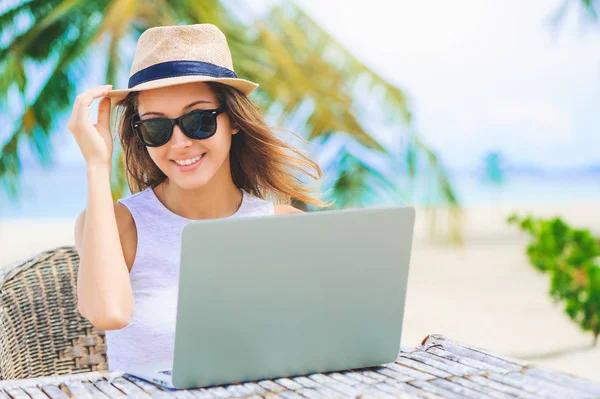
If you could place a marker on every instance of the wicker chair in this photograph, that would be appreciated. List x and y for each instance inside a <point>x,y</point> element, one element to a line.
<point>41,330</point>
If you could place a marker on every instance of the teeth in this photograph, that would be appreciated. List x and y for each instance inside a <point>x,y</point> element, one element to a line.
<point>189,161</point>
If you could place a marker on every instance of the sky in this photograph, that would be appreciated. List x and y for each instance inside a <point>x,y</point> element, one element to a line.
<point>481,75</point>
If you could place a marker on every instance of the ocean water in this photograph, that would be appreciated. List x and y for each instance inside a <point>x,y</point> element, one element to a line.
<point>60,192</point>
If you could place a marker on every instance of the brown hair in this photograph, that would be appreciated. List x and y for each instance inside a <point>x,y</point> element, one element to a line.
<point>261,163</point>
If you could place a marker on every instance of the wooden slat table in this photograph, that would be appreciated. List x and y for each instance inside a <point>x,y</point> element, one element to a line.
<point>438,368</point>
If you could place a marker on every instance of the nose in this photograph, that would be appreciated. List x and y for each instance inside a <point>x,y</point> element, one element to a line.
<point>179,139</point>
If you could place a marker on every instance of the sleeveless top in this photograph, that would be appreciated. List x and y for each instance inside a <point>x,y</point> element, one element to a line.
<point>150,336</point>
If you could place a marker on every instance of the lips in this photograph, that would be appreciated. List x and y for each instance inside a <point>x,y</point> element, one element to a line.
<point>189,167</point>
<point>188,160</point>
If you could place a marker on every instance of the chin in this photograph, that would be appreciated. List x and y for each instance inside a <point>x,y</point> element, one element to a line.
<point>190,182</point>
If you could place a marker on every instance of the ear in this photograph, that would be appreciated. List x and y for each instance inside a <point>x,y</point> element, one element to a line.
<point>235,130</point>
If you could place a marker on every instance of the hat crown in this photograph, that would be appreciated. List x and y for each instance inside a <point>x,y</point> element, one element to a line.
<point>197,42</point>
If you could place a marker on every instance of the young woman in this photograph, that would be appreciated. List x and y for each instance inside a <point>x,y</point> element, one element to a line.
<point>195,147</point>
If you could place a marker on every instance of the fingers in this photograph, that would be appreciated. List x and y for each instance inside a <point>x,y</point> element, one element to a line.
<point>85,99</point>
<point>81,114</point>
<point>104,113</point>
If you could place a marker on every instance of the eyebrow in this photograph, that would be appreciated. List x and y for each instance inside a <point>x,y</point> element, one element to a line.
<point>185,108</point>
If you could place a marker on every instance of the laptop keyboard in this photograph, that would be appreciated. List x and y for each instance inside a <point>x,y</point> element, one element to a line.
<point>167,372</point>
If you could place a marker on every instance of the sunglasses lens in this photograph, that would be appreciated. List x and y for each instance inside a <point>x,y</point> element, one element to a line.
<point>199,125</point>
<point>155,132</point>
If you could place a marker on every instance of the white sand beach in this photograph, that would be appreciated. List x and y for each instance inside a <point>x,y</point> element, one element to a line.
<point>485,293</point>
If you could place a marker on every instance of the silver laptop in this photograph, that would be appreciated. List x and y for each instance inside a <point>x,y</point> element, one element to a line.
<point>277,296</point>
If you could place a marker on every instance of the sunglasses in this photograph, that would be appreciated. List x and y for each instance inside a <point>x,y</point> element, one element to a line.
<point>199,124</point>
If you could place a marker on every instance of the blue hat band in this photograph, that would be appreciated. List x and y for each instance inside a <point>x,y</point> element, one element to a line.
<point>172,69</point>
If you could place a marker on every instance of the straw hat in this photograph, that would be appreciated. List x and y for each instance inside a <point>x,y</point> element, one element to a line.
<point>171,55</point>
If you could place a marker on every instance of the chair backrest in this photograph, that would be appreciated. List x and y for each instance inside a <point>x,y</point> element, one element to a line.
<point>42,332</point>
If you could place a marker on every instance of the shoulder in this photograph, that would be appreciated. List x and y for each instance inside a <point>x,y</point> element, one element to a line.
<point>126,229</point>
<point>123,217</point>
<point>281,209</point>
<point>125,220</point>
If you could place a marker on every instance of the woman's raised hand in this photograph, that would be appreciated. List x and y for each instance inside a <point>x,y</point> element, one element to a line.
<point>94,140</point>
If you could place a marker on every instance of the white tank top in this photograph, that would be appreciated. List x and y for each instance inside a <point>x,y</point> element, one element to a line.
<point>150,336</point>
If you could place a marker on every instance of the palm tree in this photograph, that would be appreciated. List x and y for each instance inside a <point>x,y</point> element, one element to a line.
<point>589,9</point>
<point>298,64</point>
<point>592,7</point>
<point>493,168</point>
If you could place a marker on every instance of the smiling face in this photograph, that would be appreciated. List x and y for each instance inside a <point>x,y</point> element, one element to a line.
<point>172,102</point>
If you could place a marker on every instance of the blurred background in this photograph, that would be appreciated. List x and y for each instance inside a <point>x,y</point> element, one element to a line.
<point>472,111</point>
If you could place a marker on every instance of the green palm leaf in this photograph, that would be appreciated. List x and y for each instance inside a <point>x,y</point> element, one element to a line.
<point>589,9</point>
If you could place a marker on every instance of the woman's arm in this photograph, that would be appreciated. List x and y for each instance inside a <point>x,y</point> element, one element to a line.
<point>103,286</point>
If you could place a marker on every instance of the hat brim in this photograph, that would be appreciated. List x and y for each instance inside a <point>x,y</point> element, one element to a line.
<point>245,86</point>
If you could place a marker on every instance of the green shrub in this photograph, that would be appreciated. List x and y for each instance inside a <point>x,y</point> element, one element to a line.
<point>570,257</point>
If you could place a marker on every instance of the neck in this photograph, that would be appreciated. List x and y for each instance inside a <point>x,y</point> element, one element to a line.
<point>219,198</point>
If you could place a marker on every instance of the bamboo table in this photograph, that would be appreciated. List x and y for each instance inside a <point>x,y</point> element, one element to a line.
<point>438,368</point>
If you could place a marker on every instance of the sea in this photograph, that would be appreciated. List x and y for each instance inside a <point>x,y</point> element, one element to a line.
<point>60,192</point>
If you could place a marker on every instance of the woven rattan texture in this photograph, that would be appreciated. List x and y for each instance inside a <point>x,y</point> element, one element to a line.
<point>41,330</point>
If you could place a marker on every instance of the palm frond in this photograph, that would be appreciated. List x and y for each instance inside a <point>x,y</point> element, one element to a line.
<point>356,183</point>
<point>51,26</point>
<point>291,67</point>
<point>589,10</point>
<point>38,119</point>
<point>591,7</point>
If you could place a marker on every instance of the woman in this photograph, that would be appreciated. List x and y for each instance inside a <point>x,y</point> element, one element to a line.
<point>196,147</point>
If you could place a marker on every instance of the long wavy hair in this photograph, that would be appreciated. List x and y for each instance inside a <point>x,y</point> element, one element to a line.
<point>261,163</point>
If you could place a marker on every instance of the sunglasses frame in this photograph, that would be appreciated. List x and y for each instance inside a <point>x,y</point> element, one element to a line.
<point>135,124</point>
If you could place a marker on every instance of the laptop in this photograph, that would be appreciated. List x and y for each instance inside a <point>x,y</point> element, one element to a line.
<point>263,297</point>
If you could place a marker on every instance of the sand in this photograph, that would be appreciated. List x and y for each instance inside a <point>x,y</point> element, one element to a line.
<point>484,293</point>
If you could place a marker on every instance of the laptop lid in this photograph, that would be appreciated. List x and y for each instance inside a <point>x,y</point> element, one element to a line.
<point>265,297</point>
